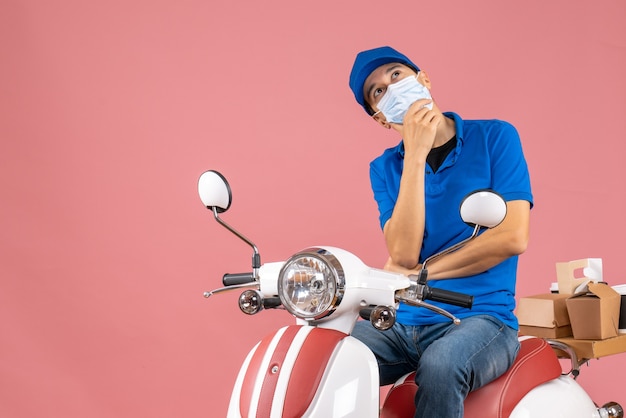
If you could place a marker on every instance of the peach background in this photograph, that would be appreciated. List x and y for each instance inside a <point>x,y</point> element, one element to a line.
<point>110,110</point>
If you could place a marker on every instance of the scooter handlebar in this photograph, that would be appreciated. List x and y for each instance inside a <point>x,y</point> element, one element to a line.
<point>233,279</point>
<point>449,297</point>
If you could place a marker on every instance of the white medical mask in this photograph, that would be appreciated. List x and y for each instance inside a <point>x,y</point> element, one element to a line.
<point>400,96</point>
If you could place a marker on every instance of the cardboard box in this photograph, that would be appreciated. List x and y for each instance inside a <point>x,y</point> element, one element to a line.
<point>588,349</point>
<point>546,332</point>
<point>544,316</point>
<point>594,315</point>
<point>573,276</point>
<point>557,332</point>
<point>621,289</point>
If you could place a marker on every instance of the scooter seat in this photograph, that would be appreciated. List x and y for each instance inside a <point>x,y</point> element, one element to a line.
<point>535,364</point>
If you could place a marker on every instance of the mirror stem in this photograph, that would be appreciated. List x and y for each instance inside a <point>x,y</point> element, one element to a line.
<point>423,277</point>
<point>256,258</point>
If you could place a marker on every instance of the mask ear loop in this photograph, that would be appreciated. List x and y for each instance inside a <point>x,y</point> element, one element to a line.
<point>383,121</point>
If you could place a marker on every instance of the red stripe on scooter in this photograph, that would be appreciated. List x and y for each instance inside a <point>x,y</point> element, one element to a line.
<point>268,389</point>
<point>308,370</point>
<point>247,386</point>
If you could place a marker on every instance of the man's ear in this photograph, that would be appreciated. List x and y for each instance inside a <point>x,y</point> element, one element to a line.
<point>382,121</point>
<point>424,79</point>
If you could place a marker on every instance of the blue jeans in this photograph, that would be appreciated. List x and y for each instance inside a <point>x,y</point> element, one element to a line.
<point>450,360</point>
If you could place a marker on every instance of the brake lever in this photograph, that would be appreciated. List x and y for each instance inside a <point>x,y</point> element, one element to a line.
<point>253,284</point>
<point>414,296</point>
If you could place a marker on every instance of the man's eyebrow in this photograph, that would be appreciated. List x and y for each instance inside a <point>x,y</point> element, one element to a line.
<point>387,71</point>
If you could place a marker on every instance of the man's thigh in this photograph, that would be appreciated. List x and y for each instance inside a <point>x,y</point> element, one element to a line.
<point>480,347</point>
<point>394,349</point>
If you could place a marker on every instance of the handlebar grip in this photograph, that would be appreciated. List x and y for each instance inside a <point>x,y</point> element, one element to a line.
<point>232,279</point>
<point>449,297</point>
<point>366,312</point>
<point>271,303</point>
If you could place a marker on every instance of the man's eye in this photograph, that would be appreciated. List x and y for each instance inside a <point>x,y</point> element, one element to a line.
<point>378,92</point>
<point>395,75</point>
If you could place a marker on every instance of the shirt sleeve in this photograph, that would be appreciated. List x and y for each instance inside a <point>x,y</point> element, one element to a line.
<point>509,168</point>
<point>380,188</point>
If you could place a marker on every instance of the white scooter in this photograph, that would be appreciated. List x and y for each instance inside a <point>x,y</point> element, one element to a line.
<point>316,369</point>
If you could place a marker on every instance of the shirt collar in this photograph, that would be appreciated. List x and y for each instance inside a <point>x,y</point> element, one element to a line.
<point>458,124</point>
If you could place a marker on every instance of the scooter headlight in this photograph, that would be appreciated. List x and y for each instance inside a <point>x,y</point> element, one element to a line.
<point>311,284</point>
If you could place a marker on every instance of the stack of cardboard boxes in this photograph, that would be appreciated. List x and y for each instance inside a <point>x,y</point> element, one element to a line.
<point>584,313</point>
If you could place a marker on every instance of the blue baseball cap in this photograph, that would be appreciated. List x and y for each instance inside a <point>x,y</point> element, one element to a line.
<point>367,61</point>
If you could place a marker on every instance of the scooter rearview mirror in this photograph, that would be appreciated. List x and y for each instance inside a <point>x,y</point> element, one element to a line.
<point>214,191</point>
<point>215,194</point>
<point>484,208</point>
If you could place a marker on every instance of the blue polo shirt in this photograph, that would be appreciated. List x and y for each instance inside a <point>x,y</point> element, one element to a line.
<point>488,155</point>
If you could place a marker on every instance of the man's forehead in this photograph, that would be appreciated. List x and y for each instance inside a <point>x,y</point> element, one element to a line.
<point>386,68</point>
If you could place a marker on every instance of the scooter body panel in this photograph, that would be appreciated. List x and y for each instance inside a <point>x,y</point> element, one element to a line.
<point>304,371</point>
<point>558,398</point>
<point>350,385</point>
